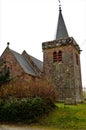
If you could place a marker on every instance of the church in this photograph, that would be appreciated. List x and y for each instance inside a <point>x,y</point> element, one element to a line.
<point>61,64</point>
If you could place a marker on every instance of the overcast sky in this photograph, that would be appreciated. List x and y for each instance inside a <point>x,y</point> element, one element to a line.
<point>28,23</point>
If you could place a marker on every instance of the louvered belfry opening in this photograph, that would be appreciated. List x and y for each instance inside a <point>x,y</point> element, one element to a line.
<point>59,56</point>
<point>55,56</point>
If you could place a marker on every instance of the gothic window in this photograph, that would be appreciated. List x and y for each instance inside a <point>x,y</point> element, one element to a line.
<point>59,56</point>
<point>54,56</point>
<point>77,59</point>
<point>6,70</point>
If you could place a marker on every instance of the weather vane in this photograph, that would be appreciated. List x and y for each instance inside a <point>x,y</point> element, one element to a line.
<point>59,5</point>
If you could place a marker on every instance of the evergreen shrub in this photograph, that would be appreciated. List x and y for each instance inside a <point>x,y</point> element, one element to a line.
<point>25,109</point>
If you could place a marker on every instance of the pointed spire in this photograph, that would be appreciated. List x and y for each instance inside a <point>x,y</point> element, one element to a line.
<point>61,31</point>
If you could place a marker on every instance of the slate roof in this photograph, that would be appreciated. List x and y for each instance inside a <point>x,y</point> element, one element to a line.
<point>27,67</point>
<point>61,31</point>
<point>38,63</point>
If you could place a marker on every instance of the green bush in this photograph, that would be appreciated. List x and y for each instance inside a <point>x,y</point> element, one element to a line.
<point>29,109</point>
<point>8,110</point>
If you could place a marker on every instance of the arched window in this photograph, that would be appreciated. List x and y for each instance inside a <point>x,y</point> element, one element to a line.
<point>6,70</point>
<point>59,57</point>
<point>54,56</point>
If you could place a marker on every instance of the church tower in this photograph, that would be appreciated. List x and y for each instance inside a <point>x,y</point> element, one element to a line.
<point>61,63</point>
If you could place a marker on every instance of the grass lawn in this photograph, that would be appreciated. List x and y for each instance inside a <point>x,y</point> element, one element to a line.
<point>66,117</point>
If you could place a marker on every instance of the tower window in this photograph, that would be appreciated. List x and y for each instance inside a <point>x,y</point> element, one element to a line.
<point>59,56</point>
<point>54,56</point>
<point>77,59</point>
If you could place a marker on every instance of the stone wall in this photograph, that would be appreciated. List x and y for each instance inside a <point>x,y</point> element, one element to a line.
<point>65,75</point>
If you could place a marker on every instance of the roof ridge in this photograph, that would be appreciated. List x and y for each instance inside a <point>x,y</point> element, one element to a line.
<point>32,61</point>
<point>32,56</point>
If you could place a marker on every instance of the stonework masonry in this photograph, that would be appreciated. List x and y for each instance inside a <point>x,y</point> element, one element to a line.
<point>66,74</point>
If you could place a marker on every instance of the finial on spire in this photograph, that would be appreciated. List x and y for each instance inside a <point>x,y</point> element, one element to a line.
<point>59,5</point>
<point>8,44</point>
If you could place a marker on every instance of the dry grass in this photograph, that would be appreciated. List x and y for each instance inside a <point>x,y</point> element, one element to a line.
<point>21,89</point>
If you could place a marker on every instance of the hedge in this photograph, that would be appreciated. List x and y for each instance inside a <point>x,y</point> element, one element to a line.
<point>25,109</point>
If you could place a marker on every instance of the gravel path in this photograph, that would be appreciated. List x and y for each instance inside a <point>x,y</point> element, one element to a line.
<point>12,127</point>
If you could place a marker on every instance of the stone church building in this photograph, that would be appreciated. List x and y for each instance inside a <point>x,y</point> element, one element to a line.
<point>61,64</point>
